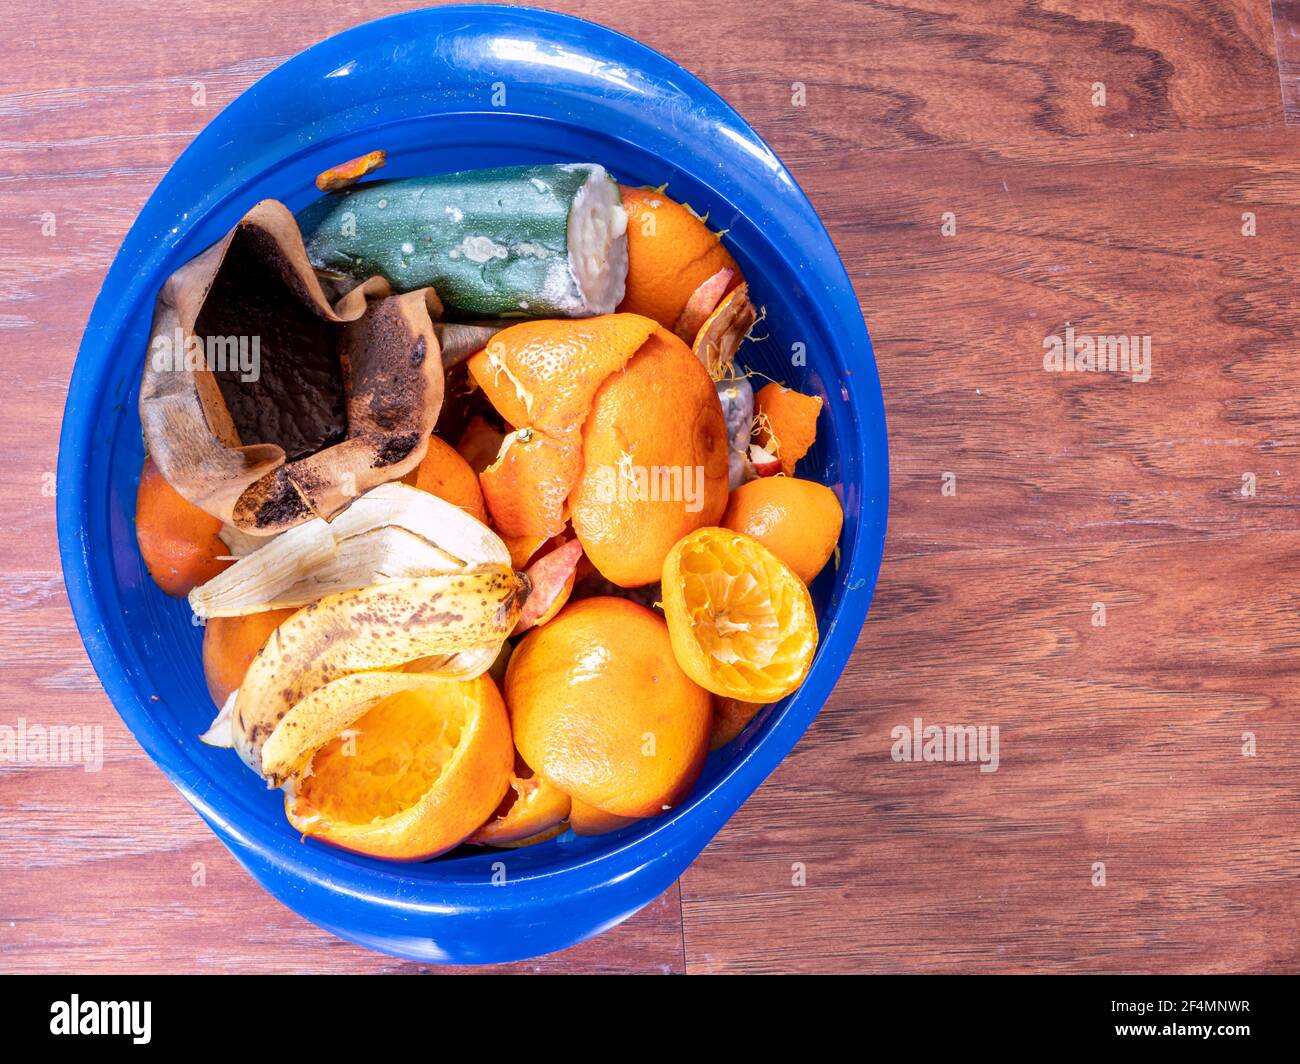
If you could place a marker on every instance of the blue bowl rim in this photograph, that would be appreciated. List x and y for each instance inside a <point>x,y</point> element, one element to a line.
<point>383,884</point>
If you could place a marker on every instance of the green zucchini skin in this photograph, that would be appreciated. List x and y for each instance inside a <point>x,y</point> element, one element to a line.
<point>492,243</point>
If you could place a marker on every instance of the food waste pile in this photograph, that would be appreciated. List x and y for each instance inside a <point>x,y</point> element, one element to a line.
<point>492,533</point>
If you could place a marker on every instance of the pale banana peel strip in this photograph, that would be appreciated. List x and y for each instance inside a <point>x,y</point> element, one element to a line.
<point>327,712</point>
<point>388,553</point>
<point>376,627</point>
<point>318,557</point>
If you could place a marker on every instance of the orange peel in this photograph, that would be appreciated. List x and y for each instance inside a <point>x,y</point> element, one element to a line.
<point>412,776</point>
<point>542,378</point>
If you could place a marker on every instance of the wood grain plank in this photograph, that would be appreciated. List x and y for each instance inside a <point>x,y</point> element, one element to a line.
<point>1286,28</point>
<point>923,73</point>
<point>1119,744</point>
<point>1112,238</point>
<point>877,74</point>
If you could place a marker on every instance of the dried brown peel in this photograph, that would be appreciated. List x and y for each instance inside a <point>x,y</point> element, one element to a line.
<point>703,302</point>
<point>339,399</point>
<point>722,333</point>
<point>374,628</point>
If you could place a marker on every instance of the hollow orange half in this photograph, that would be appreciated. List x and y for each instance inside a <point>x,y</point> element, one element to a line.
<point>417,774</point>
<point>741,622</point>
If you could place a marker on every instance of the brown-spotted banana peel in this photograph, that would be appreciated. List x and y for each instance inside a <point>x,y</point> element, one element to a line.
<point>328,712</point>
<point>468,612</point>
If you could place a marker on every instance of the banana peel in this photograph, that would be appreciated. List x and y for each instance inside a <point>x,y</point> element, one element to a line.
<point>392,532</point>
<point>327,712</point>
<point>365,630</point>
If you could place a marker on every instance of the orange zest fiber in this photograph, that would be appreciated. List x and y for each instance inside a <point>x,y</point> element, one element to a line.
<point>231,643</point>
<point>178,541</point>
<point>654,462</point>
<point>797,520</point>
<point>445,473</point>
<point>741,622</point>
<point>787,423</point>
<point>416,775</point>
<point>601,709</point>
<point>670,253</point>
<point>541,377</point>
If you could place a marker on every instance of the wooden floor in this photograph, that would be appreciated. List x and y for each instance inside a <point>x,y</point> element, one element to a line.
<point>1168,211</point>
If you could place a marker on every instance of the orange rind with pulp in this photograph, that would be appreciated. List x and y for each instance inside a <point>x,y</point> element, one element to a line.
<point>532,807</point>
<point>414,776</point>
<point>741,622</point>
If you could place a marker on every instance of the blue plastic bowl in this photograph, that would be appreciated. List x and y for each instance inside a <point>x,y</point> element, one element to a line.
<point>423,85</point>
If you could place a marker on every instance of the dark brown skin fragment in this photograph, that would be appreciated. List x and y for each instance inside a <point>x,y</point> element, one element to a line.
<point>296,402</point>
<point>283,507</point>
<point>396,449</point>
<point>342,397</point>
